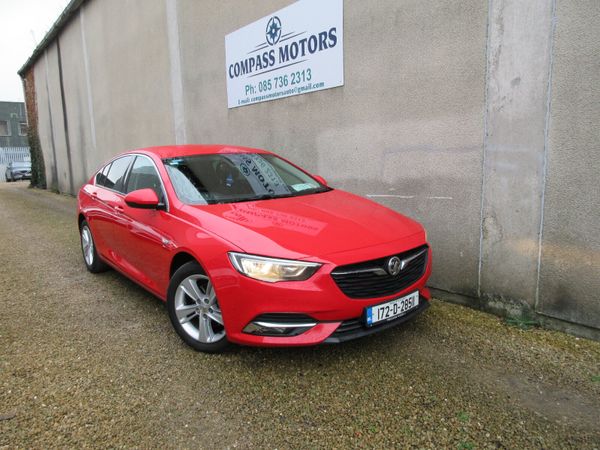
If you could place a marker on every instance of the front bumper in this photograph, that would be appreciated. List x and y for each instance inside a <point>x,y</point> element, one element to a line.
<point>21,176</point>
<point>355,328</point>
<point>243,300</point>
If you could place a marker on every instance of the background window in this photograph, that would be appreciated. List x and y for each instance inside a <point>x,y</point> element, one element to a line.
<point>4,128</point>
<point>23,129</point>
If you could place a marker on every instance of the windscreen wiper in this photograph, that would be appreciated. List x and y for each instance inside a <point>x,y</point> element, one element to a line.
<point>272,197</point>
<point>250,199</point>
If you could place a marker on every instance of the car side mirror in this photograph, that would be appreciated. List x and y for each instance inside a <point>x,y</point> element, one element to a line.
<point>143,199</point>
<point>320,179</point>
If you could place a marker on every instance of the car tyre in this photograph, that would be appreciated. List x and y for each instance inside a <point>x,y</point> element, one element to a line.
<point>90,255</point>
<point>194,310</point>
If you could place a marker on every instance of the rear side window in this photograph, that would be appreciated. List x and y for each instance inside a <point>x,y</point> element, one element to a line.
<point>143,175</point>
<point>115,178</point>
<point>101,176</point>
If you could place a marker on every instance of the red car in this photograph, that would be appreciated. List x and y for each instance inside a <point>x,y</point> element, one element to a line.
<point>245,247</point>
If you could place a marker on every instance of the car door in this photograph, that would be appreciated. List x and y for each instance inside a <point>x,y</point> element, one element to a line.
<point>148,244</point>
<point>108,223</point>
<point>95,210</point>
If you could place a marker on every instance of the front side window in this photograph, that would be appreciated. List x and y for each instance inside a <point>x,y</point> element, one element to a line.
<point>237,177</point>
<point>143,175</point>
<point>115,177</point>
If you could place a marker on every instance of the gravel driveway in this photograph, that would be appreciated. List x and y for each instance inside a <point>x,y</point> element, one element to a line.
<point>91,361</point>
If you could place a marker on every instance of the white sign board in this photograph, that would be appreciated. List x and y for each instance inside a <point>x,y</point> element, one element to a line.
<point>296,50</point>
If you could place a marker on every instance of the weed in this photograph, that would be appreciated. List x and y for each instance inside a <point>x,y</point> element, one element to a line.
<point>522,323</point>
<point>463,416</point>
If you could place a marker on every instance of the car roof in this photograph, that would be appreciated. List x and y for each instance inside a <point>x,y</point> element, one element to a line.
<point>172,151</point>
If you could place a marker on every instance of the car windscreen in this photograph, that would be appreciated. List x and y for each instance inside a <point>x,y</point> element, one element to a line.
<point>21,165</point>
<point>237,177</point>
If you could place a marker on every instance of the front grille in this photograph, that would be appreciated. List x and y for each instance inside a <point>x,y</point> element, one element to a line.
<point>359,281</point>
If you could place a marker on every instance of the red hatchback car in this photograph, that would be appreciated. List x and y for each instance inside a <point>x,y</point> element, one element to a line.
<point>247,248</point>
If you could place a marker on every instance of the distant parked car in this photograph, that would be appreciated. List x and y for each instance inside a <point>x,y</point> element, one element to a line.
<point>18,170</point>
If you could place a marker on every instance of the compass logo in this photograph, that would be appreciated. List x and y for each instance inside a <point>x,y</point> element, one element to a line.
<point>273,30</point>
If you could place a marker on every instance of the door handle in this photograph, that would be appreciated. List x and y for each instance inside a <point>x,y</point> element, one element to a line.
<point>118,208</point>
<point>166,243</point>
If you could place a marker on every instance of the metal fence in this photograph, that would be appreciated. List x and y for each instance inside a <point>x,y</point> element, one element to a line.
<point>9,154</point>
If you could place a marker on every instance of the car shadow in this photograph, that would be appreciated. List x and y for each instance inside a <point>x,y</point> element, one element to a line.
<point>318,356</point>
<point>323,354</point>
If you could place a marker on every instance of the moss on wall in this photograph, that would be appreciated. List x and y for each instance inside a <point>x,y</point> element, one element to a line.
<point>38,171</point>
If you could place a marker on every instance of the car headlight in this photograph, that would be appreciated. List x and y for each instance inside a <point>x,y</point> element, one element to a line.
<point>272,269</point>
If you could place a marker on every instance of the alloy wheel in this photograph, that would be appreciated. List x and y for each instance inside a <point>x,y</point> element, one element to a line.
<point>198,311</point>
<point>87,243</point>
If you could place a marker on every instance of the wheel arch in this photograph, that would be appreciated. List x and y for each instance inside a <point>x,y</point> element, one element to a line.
<point>181,258</point>
<point>80,220</point>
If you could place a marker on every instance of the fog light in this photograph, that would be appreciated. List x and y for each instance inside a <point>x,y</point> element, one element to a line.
<point>262,328</point>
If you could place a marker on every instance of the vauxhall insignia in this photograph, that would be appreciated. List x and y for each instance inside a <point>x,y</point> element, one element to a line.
<point>394,266</point>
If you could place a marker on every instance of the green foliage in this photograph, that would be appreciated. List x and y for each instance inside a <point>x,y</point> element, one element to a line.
<point>38,171</point>
<point>523,323</point>
<point>463,416</point>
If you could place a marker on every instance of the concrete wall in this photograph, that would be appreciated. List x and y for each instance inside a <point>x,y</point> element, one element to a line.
<point>129,75</point>
<point>62,168</point>
<point>570,258</point>
<point>407,123</point>
<point>476,118</point>
<point>514,150</point>
<point>76,104</point>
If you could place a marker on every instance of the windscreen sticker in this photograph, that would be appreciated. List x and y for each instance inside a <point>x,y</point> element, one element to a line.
<point>259,173</point>
<point>302,187</point>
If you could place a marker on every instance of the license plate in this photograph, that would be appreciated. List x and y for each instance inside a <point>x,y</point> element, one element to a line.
<point>392,309</point>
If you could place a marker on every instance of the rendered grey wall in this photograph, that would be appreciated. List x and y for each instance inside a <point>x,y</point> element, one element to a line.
<point>129,75</point>
<point>116,94</point>
<point>570,265</point>
<point>60,171</point>
<point>514,150</point>
<point>76,106</point>
<point>407,127</point>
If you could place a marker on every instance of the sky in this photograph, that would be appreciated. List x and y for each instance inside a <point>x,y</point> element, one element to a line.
<point>23,24</point>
